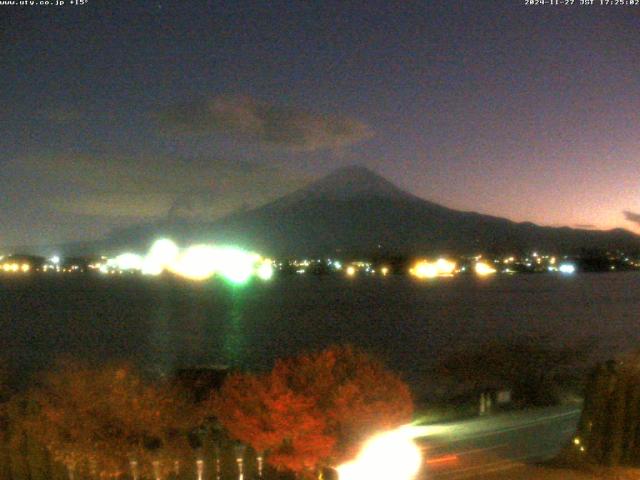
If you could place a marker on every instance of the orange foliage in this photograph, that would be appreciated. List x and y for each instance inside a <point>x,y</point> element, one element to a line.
<point>98,419</point>
<point>314,409</point>
<point>264,413</point>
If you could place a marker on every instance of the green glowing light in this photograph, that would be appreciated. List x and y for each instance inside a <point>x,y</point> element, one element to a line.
<point>236,265</point>
<point>265,271</point>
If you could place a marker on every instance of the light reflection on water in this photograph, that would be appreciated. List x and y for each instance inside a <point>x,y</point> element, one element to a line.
<point>234,334</point>
<point>162,324</point>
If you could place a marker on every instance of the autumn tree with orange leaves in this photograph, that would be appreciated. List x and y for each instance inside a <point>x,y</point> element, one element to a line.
<point>99,420</point>
<point>313,410</point>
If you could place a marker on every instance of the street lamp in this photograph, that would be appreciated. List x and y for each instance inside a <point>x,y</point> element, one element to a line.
<point>239,450</point>
<point>134,469</point>
<point>156,469</point>
<point>260,460</point>
<point>200,466</point>
<point>218,467</point>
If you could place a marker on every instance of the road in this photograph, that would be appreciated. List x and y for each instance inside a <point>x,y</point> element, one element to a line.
<point>501,442</point>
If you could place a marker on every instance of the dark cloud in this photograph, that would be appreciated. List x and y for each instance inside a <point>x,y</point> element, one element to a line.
<point>146,187</point>
<point>251,119</point>
<point>632,216</point>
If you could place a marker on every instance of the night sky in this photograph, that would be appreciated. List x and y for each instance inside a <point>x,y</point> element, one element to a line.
<point>120,112</point>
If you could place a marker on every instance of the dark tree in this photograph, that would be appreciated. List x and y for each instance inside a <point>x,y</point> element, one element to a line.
<point>609,432</point>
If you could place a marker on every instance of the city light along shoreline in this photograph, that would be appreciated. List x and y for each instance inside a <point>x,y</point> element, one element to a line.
<point>202,262</point>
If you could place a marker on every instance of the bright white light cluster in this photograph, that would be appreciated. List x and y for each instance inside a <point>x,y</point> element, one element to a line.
<point>197,262</point>
<point>567,268</point>
<point>440,268</point>
<point>388,455</point>
<point>484,269</point>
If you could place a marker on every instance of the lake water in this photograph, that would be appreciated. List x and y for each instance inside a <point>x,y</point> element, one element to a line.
<point>161,324</point>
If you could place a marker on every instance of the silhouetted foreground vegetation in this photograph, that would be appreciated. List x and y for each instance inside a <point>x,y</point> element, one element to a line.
<point>308,413</point>
<point>609,430</point>
<point>536,373</point>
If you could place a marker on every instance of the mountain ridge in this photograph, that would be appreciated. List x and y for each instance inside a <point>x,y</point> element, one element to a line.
<point>355,211</point>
